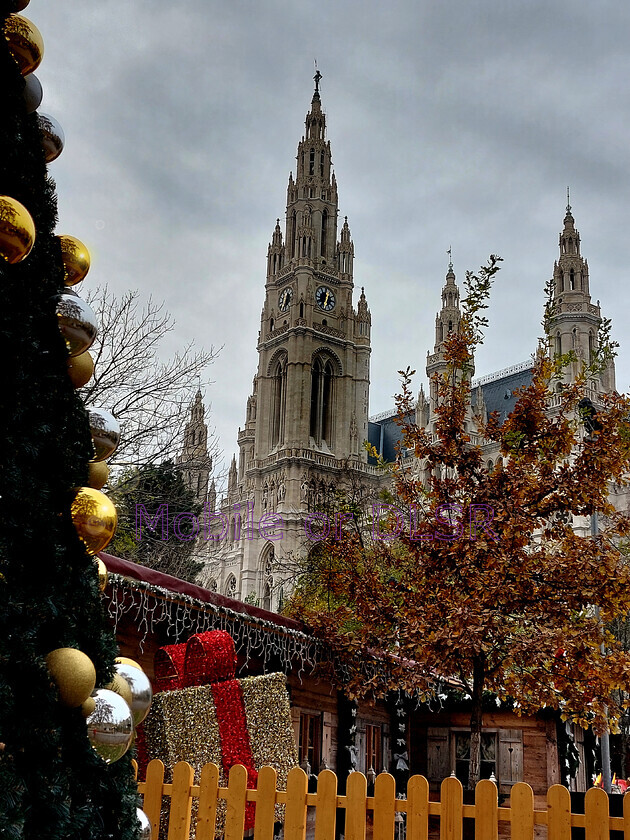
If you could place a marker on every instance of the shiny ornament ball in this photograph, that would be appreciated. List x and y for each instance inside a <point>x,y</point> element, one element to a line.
<point>77,323</point>
<point>110,726</point>
<point>33,93</point>
<point>140,687</point>
<point>145,825</point>
<point>80,369</point>
<point>94,517</point>
<point>105,432</point>
<point>26,44</point>
<point>76,259</point>
<point>102,575</point>
<point>88,706</point>
<point>52,136</point>
<point>98,473</point>
<point>124,660</point>
<point>18,5</point>
<point>73,673</point>
<point>120,685</point>
<point>17,230</point>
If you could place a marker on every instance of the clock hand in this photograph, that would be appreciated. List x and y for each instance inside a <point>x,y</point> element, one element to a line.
<point>326,299</point>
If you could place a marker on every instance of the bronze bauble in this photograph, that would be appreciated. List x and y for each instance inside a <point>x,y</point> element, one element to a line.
<point>26,44</point>
<point>87,707</point>
<point>77,323</point>
<point>94,517</point>
<point>74,674</point>
<point>53,138</point>
<point>105,432</point>
<point>98,473</point>
<point>80,369</point>
<point>110,726</point>
<point>102,574</point>
<point>17,230</point>
<point>76,259</point>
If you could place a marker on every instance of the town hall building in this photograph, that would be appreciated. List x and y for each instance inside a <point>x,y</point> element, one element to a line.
<point>307,418</point>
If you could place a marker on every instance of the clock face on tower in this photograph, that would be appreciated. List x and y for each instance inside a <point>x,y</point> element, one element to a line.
<point>325,298</point>
<point>284,301</point>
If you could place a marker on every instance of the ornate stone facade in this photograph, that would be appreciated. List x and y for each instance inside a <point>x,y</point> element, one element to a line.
<point>307,417</point>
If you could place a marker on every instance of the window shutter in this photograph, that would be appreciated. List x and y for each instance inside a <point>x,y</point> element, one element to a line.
<point>510,758</point>
<point>438,754</point>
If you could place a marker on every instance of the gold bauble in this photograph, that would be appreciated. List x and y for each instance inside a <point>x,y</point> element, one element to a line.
<point>94,517</point>
<point>76,259</point>
<point>17,230</point>
<point>80,369</point>
<point>102,575</point>
<point>74,674</point>
<point>26,44</point>
<point>120,685</point>
<point>98,473</point>
<point>87,707</point>
<point>124,660</point>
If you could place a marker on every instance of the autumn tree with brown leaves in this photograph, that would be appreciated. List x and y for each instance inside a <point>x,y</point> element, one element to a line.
<point>488,581</point>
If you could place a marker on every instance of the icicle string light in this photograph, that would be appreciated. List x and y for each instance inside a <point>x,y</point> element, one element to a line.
<point>183,615</point>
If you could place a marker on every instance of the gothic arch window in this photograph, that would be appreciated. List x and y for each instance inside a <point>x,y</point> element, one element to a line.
<point>322,398</point>
<point>558,344</point>
<point>450,326</point>
<point>441,331</point>
<point>591,347</point>
<point>292,224</point>
<point>212,585</point>
<point>301,309</point>
<point>271,325</point>
<point>321,164</point>
<point>311,164</point>
<point>572,279</point>
<point>323,239</point>
<point>489,465</point>
<point>230,587</point>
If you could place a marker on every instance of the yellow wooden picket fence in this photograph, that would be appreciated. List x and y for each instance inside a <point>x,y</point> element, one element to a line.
<point>518,819</point>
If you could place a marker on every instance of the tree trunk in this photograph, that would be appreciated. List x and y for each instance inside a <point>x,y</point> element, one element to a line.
<point>476,721</point>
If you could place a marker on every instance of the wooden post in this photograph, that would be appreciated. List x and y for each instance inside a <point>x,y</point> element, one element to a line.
<point>295,814</point>
<point>326,808</point>
<point>181,801</point>
<point>486,811</point>
<point>152,802</point>
<point>417,808</point>
<point>384,807</point>
<point>356,794</point>
<point>265,804</point>
<point>558,813</point>
<point>522,812</point>
<point>451,809</point>
<point>596,814</point>
<point>236,799</point>
<point>207,810</point>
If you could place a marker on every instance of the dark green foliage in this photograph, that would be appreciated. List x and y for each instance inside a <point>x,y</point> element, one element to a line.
<point>150,487</point>
<point>52,784</point>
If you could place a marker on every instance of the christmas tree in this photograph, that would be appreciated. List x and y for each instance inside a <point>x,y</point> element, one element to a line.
<point>53,782</point>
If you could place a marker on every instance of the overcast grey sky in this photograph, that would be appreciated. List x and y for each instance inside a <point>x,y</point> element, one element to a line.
<point>452,123</point>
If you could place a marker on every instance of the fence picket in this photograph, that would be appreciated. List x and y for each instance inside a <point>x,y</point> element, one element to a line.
<point>295,814</point>
<point>596,814</point>
<point>522,812</point>
<point>451,809</point>
<point>236,799</point>
<point>179,815</point>
<point>486,811</point>
<point>152,801</point>
<point>356,794</point>
<point>384,807</point>
<point>626,817</point>
<point>207,810</point>
<point>326,808</point>
<point>265,804</point>
<point>558,813</point>
<point>418,808</point>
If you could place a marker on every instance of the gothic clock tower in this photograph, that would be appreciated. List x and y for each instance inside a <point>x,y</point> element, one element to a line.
<point>307,416</point>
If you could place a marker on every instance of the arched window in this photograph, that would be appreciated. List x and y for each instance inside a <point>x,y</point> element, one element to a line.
<point>572,280</point>
<point>558,344</point>
<point>279,399</point>
<point>321,163</point>
<point>322,395</point>
<point>230,587</point>
<point>489,465</point>
<point>323,237</point>
<point>301,309</point>
<point>591,348</point>
<point>212,585</point>
<point>450,326</point>
<point>271,325</point>
<point>311,165</point>
<point>292,232</point>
